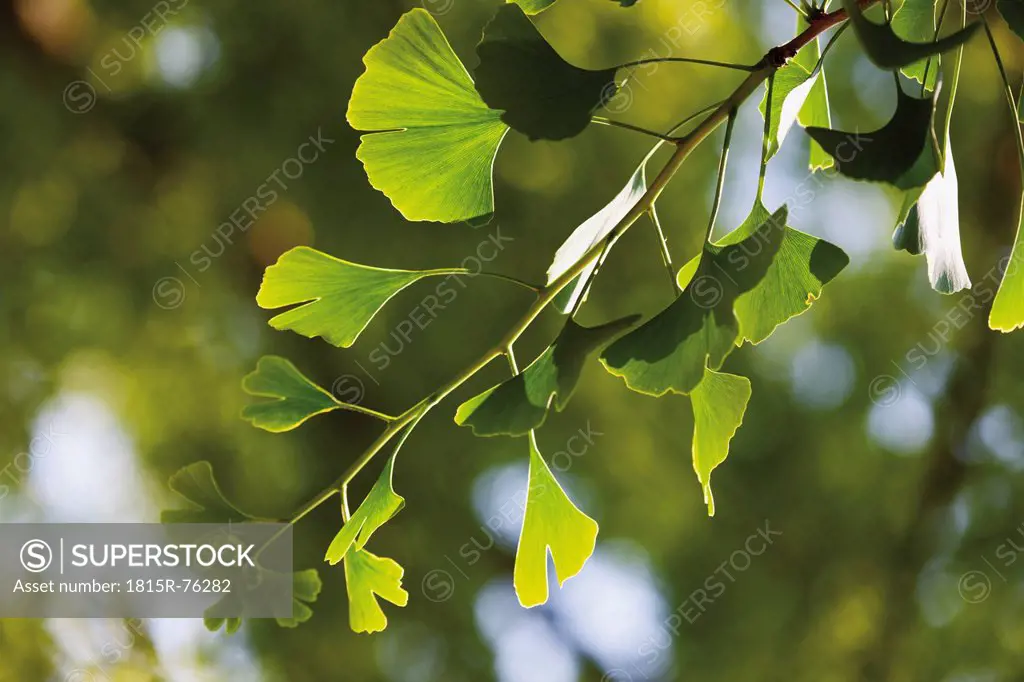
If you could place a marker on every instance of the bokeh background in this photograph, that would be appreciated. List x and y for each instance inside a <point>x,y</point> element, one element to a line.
<point>883,446</point>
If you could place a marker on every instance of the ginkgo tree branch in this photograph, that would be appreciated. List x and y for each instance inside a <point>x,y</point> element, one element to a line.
<point>722,113</point>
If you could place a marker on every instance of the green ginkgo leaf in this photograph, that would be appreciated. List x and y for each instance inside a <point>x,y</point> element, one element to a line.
<point>306,586</point>
<point>915,21</point>
<point>699,329</point>
<point>516,406</point>
<point>1013,13</point>
<point>900,153</point>
<point>541,95</point>
<point>533,6</point>
<point>1008,307</point>
<point>368,576</point>
<point>380,506</point>
<point>592,232</point>
<point>719,402</point>
<point>296,398</point>
<point>795,278</point>
<point>816,110</point>
<point>930,224</point>
<point>888,51</point>
<point>436,140</point>
<point>790,89</point>
<point>551,522</point>
<point>336,298</point>
<point>207,504</point>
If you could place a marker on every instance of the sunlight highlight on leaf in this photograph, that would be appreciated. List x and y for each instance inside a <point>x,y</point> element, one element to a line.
<point>719,403</point>
<point>380,506</point>
<point>368,576</point>
<point>296,398</point>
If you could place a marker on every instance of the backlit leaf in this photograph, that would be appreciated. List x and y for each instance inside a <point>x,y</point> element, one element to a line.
<point>900,153</point>
<point>1008,307</point>
<point>296,398</point>
<point>533,6</point>
<point>815,111</point>
<point>207,504</point>
<point>802,266</point>
<point>888,51</point>
<point>542,95</point>
<point>932,227</point>
<point>552,522</point>
<point>790,90</point>
<point>437,140</point>
<point>306,586</point>
<point>719,402</point>
<point>337,298</point>
<point>380,506</point>
<point>915,21</point>
<point>368,576</point>
<point>521,403</point>
<point>670,351</point>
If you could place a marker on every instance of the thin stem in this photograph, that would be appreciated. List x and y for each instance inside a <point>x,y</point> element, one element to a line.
<point>513,366</point>
<point>1008,90</point>
<point>666,255</point>
<point>721,175</point>
<point>629,126</point>
<point>507,278</point>
<point>590,279</point>
<point>829,44</point>
<point>688,60</point>
<point>353,407</point>
<point>723,113</point>
<point>700,112</point>
<point>953,86</point>
<point>345,513</point>
<point>938,27</point>
<point>799,10</point>
<point>766,140</point>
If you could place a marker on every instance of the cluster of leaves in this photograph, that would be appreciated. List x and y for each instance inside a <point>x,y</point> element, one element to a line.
<point>433,132</point>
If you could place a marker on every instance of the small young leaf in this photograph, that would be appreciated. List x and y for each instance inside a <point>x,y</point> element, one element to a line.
<point>521,403</point>
<point>542,95</point>
<point>379,507</point>
<point>592,232</point>
<point>367,577</point>
<point>719,402</point>
<point>794,280</point>
<point>306,586</point>
<point>207,504</point>
<point>888,51</point>
<point>932,227</point>
<point>230,625</point>
<point>552,522</point>
<point>900,153</point>
<point>1013,13</point>
<point>915,21</point>
<point>1008,307</point>
<point>338,298</point>
<point>437,140</point>
<point>296,398</point>
<point>699,329</point>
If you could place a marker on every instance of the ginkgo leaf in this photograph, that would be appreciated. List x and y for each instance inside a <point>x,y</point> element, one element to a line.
<point>900,153</point>
<point>541,95</point>
<point>888,51</point>
<point>337,298</point>
<point>592,232</point>
<point>368,576</point>
<point>699,328</point>
<point>719,402</point>
<point>306,586</point>
<point>932,227</point>
<point>791,86</point>
<point>533,6</point>
<point>207,504</point>
<point>379,507</point>
<point>816,110</point>
<point>1008,307</point>
<point>915,21</point>
<point>1013,13</point>
<point>516,406</point>
<point>551,522</point>
<point>795,278</point>
<point>433,150</point>
<point>296,398</point>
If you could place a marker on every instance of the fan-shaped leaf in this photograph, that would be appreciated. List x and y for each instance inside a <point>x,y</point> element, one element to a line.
<point>296,398</point>
<point>542,95</point>
<point>791,87</point>
<point>889,51</point>
<point>815,111</point>
<point>521,403</point>
<point>338,298</point>
<point>719,402</point>
<point>368,576</point>
<point>306,586</point>
<point>196,484</point>
<point>437,140</point>
<point>379,507</point>
<point>699,329</point>
<point>915,21</point>
<point>552,522</point>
